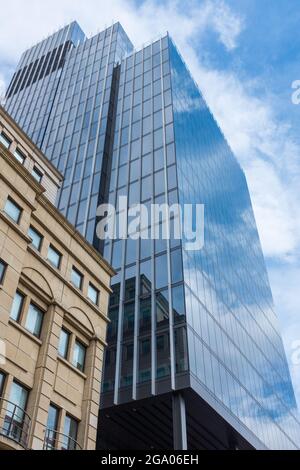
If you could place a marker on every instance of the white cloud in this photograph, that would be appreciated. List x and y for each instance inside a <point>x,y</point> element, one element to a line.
<point>36,19</point>
<point>227,24</point>
<point>267,153</point>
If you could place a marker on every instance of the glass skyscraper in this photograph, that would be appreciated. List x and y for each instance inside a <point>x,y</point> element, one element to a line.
<point>62,95</point>
<point>195,358</point>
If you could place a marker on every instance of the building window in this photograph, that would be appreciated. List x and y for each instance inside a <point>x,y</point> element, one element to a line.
<point>2,380</point>
<point>17,306</point>
<point>37,174</point>
<point>79,356</point>
<point>3,267</point>
<point>5,141</point>
<point>160,343</point>
<point>161,274</point>
<point>93,294</point>
<point>52,426</point>
<point>15,423</point>
<point>76,278</point>
<point>13,210</point>
<point>129,352</point>
<point>146,347</point>
<point>34,320</point>
<point>64,341</point>
<point>19,156</point>
<point>70,434</point>
<point>54,257</point>
<point>36,238</point>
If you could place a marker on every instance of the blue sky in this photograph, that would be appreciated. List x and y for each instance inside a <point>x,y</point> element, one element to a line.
<point>244,54</point>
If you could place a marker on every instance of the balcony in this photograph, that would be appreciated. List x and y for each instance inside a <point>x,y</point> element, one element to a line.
<point>14,423</point>
<point>55,440</point>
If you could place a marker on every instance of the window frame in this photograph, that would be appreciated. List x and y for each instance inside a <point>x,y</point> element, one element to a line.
<point>21,306</point>
<point>4,265</point>
<point>37,174</point>
<point>97,291</point>
<point>66,356</point>
<point>68,436</point>
<point>26,389</point>
<point>81,344</point>
<point>52,433</point>
<point>33,304</point>
<point>21,407</point>
<point>76,271</point>
<point>3,138</point>
<point>52,247</point>
<point>2,382</point>
<point>12,201</point>
<point>20,156</point>
<point>38,235</point>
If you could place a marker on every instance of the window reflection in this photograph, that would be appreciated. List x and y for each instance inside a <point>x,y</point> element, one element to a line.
<point>181,352</point>
<point>161,272</point>
<point>232,337</point>
<point>162,308</point>
<point>178,301</point>
<point>163,356</point>
<point>144,360</point>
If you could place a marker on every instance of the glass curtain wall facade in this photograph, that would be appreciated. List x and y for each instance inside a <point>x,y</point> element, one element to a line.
<point>30,95</point>
<point>141,335</point>
<point>235,349</point>
<point>208,313</point>
<point>122,123</point>
<point>67,109</point>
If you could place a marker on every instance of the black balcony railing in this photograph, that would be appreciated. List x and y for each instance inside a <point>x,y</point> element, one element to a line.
<point>55,440</point>
<point>14,423</point>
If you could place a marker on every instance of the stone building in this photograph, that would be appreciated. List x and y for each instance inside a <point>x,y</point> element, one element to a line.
<point>54,294</point>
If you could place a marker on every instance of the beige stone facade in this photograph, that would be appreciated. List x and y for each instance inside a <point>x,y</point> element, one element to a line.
<point>54,294</point>
<point>34,160</point>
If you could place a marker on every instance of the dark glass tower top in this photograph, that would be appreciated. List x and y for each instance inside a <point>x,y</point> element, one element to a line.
<point>123,123</point>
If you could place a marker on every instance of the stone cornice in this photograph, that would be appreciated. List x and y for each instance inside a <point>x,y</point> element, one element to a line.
<point>24,137</point>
